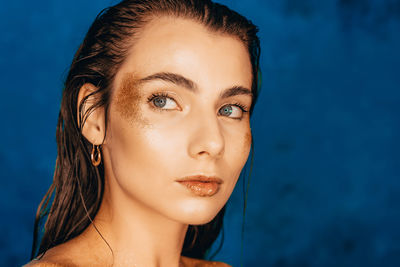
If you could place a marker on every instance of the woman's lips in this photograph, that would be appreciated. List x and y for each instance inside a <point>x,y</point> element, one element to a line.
<point>202,186</point>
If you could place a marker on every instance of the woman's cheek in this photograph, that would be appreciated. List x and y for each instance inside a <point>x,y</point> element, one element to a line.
<point>129,100</point>
<point>243,150</point>
<point>247,140</point>
<point>159,131</point>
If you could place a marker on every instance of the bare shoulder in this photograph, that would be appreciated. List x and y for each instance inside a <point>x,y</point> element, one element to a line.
<point>50,262</point>
<point>43,263</point>
<point>190,262</point>
<point>54,257</point>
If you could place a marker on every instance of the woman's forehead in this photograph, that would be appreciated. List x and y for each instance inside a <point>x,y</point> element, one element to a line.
<point>186,47</point>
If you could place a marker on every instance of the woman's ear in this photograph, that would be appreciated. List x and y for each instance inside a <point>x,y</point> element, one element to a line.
<point>94,126</point>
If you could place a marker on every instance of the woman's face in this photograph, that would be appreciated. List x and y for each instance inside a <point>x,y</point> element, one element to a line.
<point>177,137</point>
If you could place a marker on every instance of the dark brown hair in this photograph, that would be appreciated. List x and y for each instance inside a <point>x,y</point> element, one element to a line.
<point>75,195</point>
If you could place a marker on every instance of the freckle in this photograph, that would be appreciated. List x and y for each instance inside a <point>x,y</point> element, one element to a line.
<point>128,99</point>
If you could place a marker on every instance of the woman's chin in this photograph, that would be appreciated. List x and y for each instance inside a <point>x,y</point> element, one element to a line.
<point>200,220</point>
<point>197,214</point>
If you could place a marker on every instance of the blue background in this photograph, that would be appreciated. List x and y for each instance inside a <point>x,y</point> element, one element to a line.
<point>325,190</point>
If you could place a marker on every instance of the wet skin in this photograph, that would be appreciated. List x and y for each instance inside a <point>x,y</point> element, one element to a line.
<point>175,111</point>
<point>148,147</point>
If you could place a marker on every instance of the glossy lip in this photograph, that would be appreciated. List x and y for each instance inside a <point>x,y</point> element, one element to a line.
<point>201,178</point>
<point>200,185</point>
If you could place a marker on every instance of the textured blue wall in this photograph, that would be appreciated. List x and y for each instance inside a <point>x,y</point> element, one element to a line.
<point>325,190</point>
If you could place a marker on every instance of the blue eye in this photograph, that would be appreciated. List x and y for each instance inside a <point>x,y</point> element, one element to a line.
<point>163,101</point>
<point>226,110</point>
<point>160,101</point>
<point>234,111</point>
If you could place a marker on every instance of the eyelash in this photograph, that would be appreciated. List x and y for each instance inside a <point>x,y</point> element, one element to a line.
<point>150,98</point>
<point>242,107</point>
<point>155,95</point>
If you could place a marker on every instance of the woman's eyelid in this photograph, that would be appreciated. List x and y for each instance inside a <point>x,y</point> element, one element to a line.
<point>244,101</point>
<point>240,105</point>
<point>167,94</point>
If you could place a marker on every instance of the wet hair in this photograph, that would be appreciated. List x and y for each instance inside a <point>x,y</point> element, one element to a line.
<point>76,193</point>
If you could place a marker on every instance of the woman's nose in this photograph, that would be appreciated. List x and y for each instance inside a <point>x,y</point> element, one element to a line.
<point>206,139</point>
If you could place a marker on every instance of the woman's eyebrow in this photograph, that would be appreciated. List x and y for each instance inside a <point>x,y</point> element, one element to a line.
<point>235,90</point>
<point>192,86</point>
<point>173,78</point>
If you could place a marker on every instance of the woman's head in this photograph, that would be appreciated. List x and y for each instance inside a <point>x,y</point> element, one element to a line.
<point>161,85</point>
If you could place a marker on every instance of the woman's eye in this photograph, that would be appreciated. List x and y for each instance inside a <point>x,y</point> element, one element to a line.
<point>232,111</point>
<point>163,102</point>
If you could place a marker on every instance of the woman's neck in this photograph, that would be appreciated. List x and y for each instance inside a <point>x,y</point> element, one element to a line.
<point>136,234</point>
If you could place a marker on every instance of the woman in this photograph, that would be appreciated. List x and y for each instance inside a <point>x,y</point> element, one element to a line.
<point>153,132</point>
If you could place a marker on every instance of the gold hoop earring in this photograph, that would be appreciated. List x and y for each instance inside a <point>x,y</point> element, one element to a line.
<point>98,160</point>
